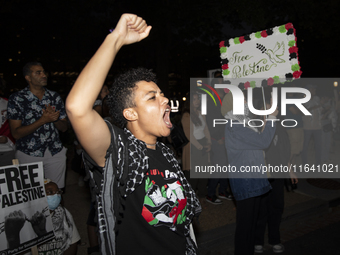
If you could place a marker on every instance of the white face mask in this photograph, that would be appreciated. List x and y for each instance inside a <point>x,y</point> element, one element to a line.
<point>53,201</point>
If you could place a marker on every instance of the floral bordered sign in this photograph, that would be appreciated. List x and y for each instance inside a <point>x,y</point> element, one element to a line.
<point>270,54</point>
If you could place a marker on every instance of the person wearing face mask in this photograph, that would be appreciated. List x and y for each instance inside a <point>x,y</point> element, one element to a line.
<point>66,233</point>
<point>65,230</point>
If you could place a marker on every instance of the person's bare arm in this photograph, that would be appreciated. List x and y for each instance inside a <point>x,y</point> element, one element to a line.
<point>61,125</point>
<point>3,139</point>
<point>18,131</point>
<point>207,135</point>
<point>90,128</point>
<point>186,122</point>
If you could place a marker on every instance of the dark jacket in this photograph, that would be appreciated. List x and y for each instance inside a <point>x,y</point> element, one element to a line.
<point>245,152</point>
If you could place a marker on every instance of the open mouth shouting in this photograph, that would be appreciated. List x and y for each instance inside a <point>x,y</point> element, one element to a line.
<point>166,117</point>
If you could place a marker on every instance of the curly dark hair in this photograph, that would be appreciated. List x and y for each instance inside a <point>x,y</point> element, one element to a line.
<point>122,92</point>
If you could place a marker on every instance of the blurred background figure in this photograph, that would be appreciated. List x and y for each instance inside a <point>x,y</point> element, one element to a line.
<point>295,133</point>
<point>200,143</point>
<point>99,103</point>
<point>312,126</point>
<point>245,145</point>
<point>272,205</point>
<point>328,122</point>
<point>7,142</point>
<point>218,150</point>
<point>66,234</point>
<point>36,115</point>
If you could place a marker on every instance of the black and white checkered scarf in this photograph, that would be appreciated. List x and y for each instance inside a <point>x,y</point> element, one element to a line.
<point>62,226</point>
<point>119,180</point>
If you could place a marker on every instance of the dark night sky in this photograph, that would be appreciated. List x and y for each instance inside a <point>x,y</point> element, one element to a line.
<point>63,35</point>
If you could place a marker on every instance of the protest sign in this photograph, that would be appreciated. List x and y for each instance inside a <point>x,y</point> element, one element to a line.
<point>24,216</point>
<point>271,54</point>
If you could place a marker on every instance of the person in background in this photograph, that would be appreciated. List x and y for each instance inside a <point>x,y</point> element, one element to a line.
<point>218,151</point>
<point>327,119</point>
<point>197,151</point>
<point>272,203</point>
<point>98,104</point>
<point>66,234</point>
<point>295,133</point>
<point>7,142</point>
<point>245,145</point>
<point>312,127</point>
<point>36,115</point>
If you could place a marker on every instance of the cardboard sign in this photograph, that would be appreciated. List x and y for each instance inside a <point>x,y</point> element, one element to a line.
<point>270,55</point>
<point>24,215</point>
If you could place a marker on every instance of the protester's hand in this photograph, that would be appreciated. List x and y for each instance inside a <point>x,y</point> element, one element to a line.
<point>220,141</point>
<point>200,147</point>
<point>131,29</point>
<point>50,108</point>
<point>3,139</point>
<point>207,147</point>
<point>13,224</point>
<point>293,177</point>
<point>38,222</point>
<point>50,114</point>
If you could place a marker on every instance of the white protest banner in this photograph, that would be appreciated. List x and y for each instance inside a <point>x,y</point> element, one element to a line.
<point>24,216</point>
<point>270,54</point>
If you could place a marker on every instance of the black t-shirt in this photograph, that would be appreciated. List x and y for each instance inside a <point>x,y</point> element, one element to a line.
<point>150,212</point>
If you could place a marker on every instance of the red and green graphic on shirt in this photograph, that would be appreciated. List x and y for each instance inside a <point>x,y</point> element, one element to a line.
<point>165,205</point>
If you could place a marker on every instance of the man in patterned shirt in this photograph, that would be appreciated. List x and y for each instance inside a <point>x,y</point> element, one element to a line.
<point>35,115</point>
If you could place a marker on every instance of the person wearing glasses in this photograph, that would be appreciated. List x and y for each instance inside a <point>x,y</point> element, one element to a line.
<point>36,115</point>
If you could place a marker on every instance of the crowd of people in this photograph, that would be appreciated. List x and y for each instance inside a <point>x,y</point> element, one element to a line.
<point>138,184</point>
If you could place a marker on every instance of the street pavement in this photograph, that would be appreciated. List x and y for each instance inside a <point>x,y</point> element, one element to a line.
<point>311,231</point>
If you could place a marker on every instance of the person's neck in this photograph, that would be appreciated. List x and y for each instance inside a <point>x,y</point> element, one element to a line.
<point>151,146</point>
<point>38,91</point>
<point>149,140</point>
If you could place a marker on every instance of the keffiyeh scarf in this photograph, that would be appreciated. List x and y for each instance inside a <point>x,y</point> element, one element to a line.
<point>124,171</point>
<point>63,227</point>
